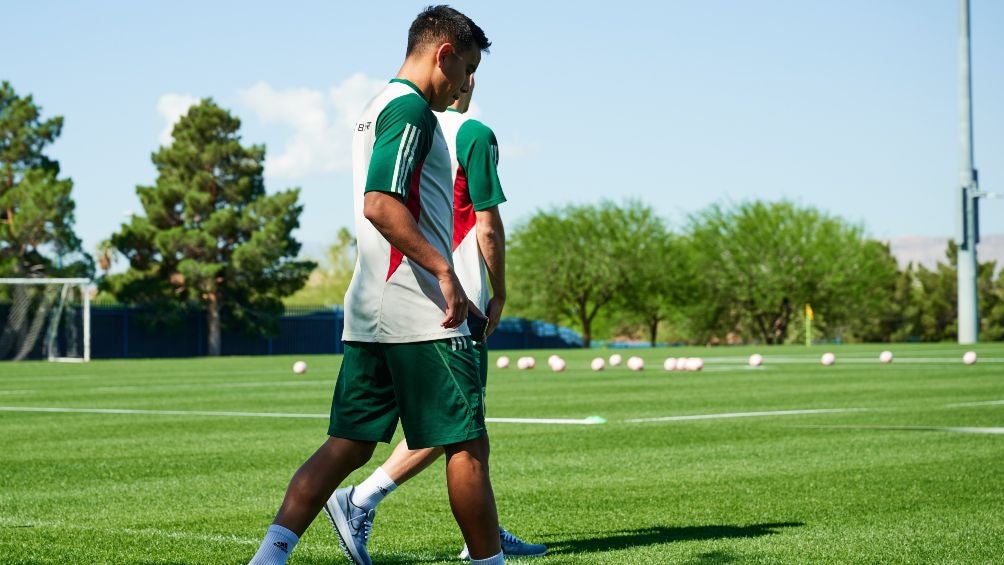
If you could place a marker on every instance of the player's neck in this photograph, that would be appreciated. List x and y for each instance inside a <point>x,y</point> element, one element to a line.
<point>419,74</point>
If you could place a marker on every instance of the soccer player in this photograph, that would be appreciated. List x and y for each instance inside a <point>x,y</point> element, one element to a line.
<point>478,249</point>
<point>408,354</point>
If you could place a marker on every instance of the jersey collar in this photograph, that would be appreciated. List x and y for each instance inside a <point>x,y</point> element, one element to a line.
<point>409,83</point>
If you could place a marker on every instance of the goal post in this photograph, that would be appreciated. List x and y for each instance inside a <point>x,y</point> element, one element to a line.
<point>51,313</point>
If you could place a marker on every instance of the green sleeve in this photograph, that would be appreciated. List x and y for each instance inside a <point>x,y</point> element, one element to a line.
<point>478,155</point>
<point>404,131</point>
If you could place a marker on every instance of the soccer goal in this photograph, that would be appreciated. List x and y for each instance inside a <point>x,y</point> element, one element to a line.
<point>45,318</point>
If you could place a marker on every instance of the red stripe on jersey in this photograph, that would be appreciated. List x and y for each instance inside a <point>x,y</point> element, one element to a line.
<point>463,209</point>
<point>414,205</point>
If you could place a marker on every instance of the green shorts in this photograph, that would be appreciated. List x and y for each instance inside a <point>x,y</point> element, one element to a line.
<point>436,388</point>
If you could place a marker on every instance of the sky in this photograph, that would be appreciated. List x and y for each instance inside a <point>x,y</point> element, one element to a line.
<point>850,107</point>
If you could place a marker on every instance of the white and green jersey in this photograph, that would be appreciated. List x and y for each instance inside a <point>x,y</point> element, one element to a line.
<point>476,187</point>
<point>398,147</point>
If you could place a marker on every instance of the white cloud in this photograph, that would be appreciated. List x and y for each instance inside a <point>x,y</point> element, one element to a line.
<point>321,134</point>
<point>172,107</point>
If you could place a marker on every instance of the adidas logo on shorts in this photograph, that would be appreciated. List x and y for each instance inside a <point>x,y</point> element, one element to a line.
<point>460,343</point>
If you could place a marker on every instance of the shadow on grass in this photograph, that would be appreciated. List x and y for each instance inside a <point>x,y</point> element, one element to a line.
<point>609,541</point>
<point>594,542</point>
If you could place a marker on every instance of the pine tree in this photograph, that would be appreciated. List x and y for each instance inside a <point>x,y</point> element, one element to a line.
<point>210,236</point>
<point>36,209</point>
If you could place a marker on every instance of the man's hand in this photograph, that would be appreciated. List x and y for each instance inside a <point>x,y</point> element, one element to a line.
<point>456,300</point>
<point>494,313</point>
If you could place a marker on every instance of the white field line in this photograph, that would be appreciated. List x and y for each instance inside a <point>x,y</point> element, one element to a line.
<point>744,415</point>
<point>159,412</point>
<point>954,430</point>
<point>27,524</point>
<point>584,421</point>
<point>855,360</point>
<point>982,403</point>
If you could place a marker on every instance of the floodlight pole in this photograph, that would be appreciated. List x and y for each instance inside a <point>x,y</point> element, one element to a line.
<point>967,233</point>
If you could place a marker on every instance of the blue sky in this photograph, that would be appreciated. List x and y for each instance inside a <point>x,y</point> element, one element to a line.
<point>847,106</point>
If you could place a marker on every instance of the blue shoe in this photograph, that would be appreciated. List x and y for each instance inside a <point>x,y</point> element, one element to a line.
<point>351,523</point>
<point>512,546</point>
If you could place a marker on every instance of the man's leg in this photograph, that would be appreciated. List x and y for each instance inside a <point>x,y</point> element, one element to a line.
<point>310,486</point>
<point>403,464</point>
<point>471,497</point>
<point>315,480</point>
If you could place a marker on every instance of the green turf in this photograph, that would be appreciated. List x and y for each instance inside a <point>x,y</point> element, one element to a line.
<point>884,484</point>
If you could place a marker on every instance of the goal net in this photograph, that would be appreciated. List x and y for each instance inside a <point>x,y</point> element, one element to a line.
<point>45,319</point>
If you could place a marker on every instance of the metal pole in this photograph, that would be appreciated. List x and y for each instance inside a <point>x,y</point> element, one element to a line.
<point>967,235</point>
<point>86,296</point>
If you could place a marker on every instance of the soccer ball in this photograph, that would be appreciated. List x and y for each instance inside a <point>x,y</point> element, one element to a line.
<point>299,367</point>
<point>502,362</point>
<point>598,364</point>
<point>695,364</point>
<point>558,365</point>
<point>615,360</point>
<point>669,364</point>
<point>969,358</point>
<point>636,363</point>
<point>756,360</point>
<point>828,359</point>
<point>885,357</point>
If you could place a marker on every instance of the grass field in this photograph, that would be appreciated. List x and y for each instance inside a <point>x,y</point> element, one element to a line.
<point>186,461</point>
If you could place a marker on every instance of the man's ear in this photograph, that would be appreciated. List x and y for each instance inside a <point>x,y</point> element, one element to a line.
<point>443,52</point>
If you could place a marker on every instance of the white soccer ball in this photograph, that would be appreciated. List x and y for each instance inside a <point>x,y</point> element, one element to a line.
<point>558,365</point>
<point>828,359</point>
<point>969,358</point>
<point>502,362</point>
<point>598,364</point>
<point>615,360</point>
<point>695,364</point>
<point>885,357</point>
<point>531,362</point>
<point>552,359</point>
<point>669,364</point>
<point>636,363</point>
<point>756,360</point>
<point>522,363</point>
<point>299,367</point>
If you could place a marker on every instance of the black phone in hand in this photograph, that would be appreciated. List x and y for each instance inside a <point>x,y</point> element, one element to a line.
<point>478,327</point>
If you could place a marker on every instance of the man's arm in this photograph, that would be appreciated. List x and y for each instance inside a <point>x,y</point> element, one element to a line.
<point>395,223</point>
<point>491,241</point>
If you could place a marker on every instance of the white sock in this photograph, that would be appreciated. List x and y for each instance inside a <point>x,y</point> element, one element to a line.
<point>493,560</point>
<point>276,547</point>
<point>370,492</point>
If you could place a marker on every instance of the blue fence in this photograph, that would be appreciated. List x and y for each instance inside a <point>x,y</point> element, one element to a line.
<point>121,332</point>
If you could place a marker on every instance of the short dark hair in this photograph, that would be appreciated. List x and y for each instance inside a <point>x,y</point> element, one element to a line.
<point>443,24</point>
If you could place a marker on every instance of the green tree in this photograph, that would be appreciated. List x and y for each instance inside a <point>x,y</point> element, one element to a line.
<point>759,263</point>
<point>36,209</point>
<point>660,283</point>
<point>210,235</point>
<point>936,299</point>
<point>568,264</point>
<point>327,284</point>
